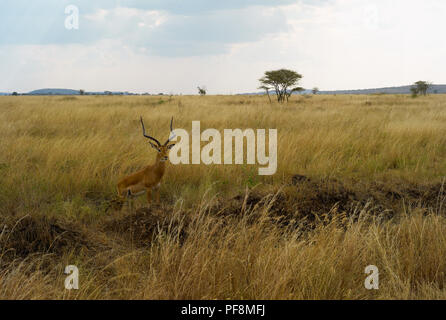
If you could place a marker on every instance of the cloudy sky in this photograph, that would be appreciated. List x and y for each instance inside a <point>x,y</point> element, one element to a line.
<point>173,46</point>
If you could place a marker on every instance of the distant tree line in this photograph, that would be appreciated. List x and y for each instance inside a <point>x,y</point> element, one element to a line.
<point>283,83</point>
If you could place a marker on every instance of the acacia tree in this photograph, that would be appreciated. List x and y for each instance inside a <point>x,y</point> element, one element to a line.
<point>315,90</point>
<point>281,81</point>
<point>414,91</point>
<point>422,87</point>
<point>202,90</point>
<point>266,88</point>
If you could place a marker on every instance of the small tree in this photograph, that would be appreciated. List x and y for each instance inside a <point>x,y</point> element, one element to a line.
<point>202,90</point>
<point>15,93</point>
<point>315,90</point>
<point>281,81</point>
<point>298,89</point>
<point>422,87</point>
<point>81,92</point>
<point>266,88</point>
<point>414,91</point>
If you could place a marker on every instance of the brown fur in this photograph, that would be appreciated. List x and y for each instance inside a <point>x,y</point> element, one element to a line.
<point>147,179</point>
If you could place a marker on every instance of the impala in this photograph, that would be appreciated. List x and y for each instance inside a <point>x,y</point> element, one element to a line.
<point>149,178</point>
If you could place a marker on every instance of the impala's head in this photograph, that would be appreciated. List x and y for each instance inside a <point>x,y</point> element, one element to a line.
<point>162,149</point>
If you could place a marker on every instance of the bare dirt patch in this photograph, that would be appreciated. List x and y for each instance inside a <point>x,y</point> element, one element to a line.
<point>308,199</point>
<point>142,226</point>
<point>21,237</point>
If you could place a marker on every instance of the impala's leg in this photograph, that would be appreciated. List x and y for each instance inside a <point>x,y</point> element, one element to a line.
<point>158,195</point>
<point>129,200</point>
<point>149,196</point>
<point>121,198</point>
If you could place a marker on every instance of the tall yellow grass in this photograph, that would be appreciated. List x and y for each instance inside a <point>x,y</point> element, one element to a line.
<point>55,150</point>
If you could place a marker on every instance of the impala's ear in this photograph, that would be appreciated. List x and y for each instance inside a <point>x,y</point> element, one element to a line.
<point>154,146</point>
<point>170,146</point>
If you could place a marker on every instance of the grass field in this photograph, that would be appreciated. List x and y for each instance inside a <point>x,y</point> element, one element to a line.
<point>359,182</point>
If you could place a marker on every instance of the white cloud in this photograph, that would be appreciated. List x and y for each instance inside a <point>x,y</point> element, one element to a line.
<point>100,15</point>
<point>338,44</point>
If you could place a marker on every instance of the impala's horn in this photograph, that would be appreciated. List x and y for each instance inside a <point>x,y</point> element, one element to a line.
<point>147,136</point>
<point>172,135</point>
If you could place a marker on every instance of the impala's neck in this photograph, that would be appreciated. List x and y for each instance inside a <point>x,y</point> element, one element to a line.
<point>160,165</point>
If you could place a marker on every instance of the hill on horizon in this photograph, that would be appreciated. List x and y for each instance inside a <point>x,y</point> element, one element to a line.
<point>68,92</point>
<point>54,92</point>
<point>435,89</point>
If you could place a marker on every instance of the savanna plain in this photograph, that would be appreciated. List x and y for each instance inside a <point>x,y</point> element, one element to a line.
<point>359,182</point>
